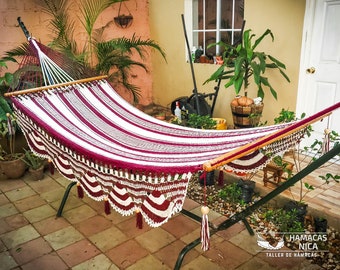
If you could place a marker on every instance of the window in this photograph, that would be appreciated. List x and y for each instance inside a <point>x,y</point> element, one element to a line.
<point>211,21</point>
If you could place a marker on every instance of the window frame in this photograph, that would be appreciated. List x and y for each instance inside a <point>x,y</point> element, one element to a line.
<point>189,16</point>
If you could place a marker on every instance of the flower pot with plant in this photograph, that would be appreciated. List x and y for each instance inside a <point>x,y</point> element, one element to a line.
<point>11,162</point>
<point>302,157</point>
<point>241,65</point>
<point>35,165</point>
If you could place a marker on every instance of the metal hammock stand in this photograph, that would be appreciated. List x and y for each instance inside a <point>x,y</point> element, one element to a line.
<point>134,162</point>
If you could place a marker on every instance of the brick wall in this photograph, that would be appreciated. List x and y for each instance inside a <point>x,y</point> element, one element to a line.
<point>37,23</point>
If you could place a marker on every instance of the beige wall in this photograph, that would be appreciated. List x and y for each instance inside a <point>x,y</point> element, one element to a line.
<point>171,80</point>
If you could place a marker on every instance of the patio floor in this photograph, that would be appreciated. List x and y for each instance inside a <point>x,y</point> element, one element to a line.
<point>31,237</point>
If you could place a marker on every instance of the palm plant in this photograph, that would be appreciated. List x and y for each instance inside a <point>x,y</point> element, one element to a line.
<point>106,57</point>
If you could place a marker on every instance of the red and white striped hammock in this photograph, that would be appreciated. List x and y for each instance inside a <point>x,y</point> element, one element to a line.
<point>131,160</point>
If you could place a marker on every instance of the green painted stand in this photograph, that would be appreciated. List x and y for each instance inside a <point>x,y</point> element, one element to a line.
<point>241,216</point>
<point>63,201</point>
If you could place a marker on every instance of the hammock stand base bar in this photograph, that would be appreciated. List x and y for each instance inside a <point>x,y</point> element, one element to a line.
<point>241,216</point>
<point>64,199</point>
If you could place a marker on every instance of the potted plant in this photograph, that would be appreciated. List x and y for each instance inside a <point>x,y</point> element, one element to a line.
<point>242,64</point>
<point>11,162</point>
<point>302,157</point>
<point>35,165</point>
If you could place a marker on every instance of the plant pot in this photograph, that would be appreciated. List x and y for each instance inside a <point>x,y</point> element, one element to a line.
<point>210,178</point>
<point>13,169</point>
<point>246,116</point>
<point>221,123</point>
<point>247,187</point>
<point>36,174</point>
<point>300,209</point>
<point>123,21</point>
<point>320,224</point>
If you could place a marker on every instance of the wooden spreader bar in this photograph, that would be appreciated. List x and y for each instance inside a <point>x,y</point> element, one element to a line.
<point>48,87</point>
<point>262,142</point>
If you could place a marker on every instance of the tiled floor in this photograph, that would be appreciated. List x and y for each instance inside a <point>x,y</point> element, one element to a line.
<point>86,238</point>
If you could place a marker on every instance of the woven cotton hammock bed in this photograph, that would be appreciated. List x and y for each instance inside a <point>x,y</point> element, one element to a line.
<point>130,160</point>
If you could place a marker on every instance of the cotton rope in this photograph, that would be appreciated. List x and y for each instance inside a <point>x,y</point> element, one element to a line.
<point>52,73</point>
<point>132,161</point>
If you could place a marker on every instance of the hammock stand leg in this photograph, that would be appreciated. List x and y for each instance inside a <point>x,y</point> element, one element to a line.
<point>246,212</point>
<point>63,201</point>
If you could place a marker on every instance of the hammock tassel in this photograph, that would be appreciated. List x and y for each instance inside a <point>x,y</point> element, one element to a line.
<point>205,234</point>
<point>326,140</point>
<point>107,206</point>
<point>80,191</point>
<point>220,179</point>
<point>139,219</point>
<point>51,167</point>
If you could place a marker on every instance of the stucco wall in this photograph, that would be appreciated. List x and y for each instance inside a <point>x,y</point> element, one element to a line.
<point>37,23</point>
<point>161,21</point>
<point>171,80</point>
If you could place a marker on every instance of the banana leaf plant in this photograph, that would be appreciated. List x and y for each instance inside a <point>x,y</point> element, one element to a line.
<point>242,64</point>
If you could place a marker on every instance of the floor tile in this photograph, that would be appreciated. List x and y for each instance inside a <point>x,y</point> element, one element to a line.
<point>4,227</point>
<point>93,225</point>
<point>117,218</point>
<point>108,238</point>
<point>227,255</point>
<point>20,193</point>
<point>130,229</point>
<point>148,261</point>
<point>2,247</point>
<point>42,186</point>
<point>50,225</point>
<point>3,199</point>
<point>282,262</point>
<point>246,241</point>
<point>99,262</point>
<point>231,231</point>
<point>39,213</point>
<point>19,236</point>
<point>122,256</point>
<point>169,254</point>
<point>7,261</point>
<point>155,239</point>
<point>30,250</point>
<point>11,184</point>
<point>202,263</point>
<point>53,195</point>
<point>16,221</point>
<point>180,225</point>
<point>29,203</point>
<point>7,210</point>
<point>49,261</point>
<point>63,237</point>
<point>190,204</point>
<point>79,214</point>
<point>255,263</point>
<point>78,252</point>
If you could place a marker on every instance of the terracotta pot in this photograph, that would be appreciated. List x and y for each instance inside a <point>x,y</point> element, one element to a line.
<point>36,174</point>
<point>13,169</point>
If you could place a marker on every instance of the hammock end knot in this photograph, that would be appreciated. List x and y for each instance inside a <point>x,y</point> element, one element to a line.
<point>205,234</point>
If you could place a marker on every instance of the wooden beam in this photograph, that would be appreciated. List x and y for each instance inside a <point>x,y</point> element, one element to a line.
<point>262,142</point>
<point>48,87</point>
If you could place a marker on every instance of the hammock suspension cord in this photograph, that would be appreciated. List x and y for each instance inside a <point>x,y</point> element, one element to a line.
<point>52,73</point>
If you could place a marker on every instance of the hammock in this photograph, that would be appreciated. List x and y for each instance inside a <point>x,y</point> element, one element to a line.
<point>130,160</point>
